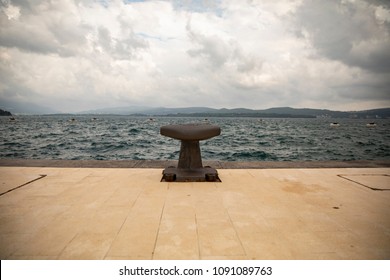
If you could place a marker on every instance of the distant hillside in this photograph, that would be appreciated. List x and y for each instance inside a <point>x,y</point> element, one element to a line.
<point>25,108</point>
<point>184,110</point>
<point>141,110</point>
<point>240,112</point>
<point>279,112</point>
<point>304,111</point>
<point>5,113</point>
<point>383,113</point>
<point>130,110</point>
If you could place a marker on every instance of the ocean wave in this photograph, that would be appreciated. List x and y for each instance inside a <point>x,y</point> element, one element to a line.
<point>242,139</point>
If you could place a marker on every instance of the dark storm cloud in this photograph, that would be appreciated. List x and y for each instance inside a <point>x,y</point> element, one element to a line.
<point>346,31</point>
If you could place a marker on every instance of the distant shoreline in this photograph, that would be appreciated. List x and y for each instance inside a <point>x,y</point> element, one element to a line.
<point>5,113</point>
<point>277,112</point>
<point>211,115</point>
<point>215,164</point>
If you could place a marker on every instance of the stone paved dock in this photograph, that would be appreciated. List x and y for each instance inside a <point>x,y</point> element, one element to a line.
<point>49,211</point>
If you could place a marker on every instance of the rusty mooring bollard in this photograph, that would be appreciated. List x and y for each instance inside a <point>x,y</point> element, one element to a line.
<point>190,168</point>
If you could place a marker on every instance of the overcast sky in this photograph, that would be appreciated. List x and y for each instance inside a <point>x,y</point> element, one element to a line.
<point>87,54</point>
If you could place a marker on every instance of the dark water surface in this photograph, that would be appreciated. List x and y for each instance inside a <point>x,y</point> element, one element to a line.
<point>242,139</point>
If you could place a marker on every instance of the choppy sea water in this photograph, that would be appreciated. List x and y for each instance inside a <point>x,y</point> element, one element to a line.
<point>242,139</point>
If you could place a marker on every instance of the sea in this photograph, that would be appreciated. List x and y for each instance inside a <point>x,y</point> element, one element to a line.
<point>112,137</point>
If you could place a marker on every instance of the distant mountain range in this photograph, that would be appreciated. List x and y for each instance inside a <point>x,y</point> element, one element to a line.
<point>279,112</point>
<point>283,112</point>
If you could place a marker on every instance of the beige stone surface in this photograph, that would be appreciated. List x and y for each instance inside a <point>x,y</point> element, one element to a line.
<point>13,178</point>
<point>108,213</point>
<point>373,181</point>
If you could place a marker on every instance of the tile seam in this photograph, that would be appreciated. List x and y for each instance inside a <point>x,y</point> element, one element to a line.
<point>25,184</point>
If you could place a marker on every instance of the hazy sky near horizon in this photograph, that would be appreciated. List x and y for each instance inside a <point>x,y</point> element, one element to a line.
<point>87,54</point>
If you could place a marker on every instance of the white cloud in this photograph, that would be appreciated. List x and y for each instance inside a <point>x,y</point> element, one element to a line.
<point>85,54</point>
<point>12,12</point>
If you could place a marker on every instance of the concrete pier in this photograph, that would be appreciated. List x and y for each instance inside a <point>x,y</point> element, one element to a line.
<point>83,210</point>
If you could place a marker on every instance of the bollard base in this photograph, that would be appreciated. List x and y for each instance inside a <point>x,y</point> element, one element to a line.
<point>203,174</point>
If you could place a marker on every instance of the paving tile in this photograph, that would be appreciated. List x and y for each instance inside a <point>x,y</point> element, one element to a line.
<point>49,242</point>
<point>312,245</point>
<point>136,239</point>
<point>51,239</point>
<point>378,181</point>
<point>34,257</point>
<point>179,203</point>
<point>87,246</point>
<point>13,179</point>
<point>210,209</point>
<point>178,211</point>
<point>218,237</point>
<point>314,221</point>
<point>240,257</point>
<point>148,206</point>
<point>177,239</point>
<point>123,196</point>
<point>108,213</point>
<point>107,220</point>
<point>10,242</point>
<point>366,243</point>
<point>29,219</point>
<point>266,245</point>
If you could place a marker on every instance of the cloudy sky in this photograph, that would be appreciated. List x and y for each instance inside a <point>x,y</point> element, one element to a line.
<point>87,54</point>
